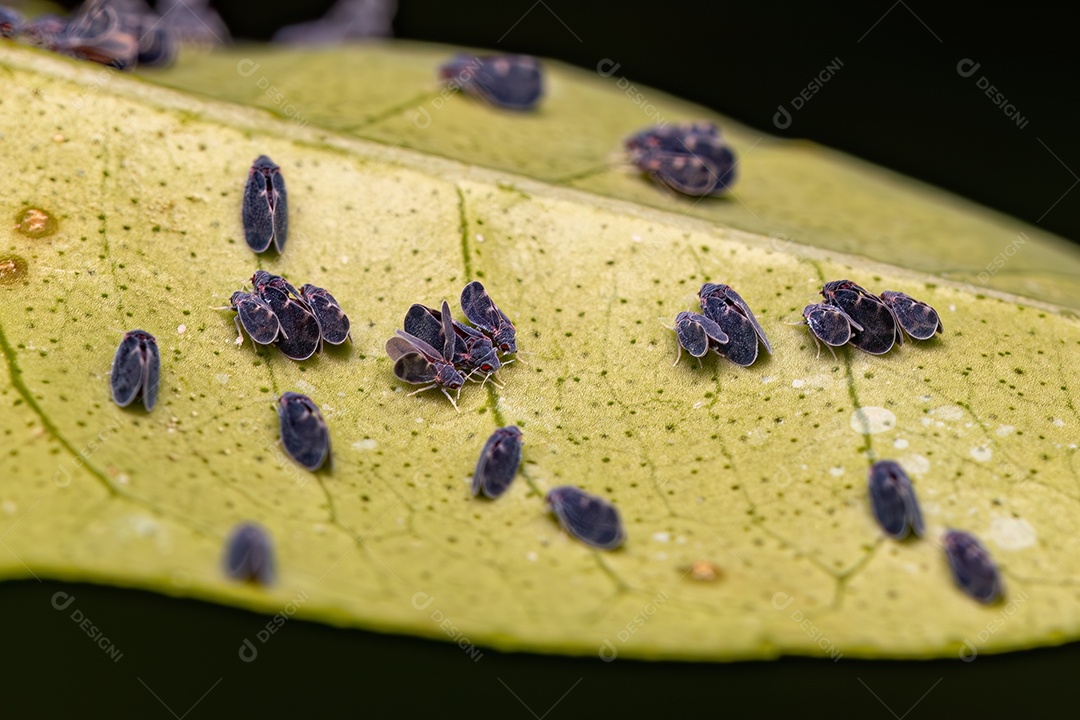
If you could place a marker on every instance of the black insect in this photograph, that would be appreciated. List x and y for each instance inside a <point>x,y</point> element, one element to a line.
<point>591,519</point>
<point>829,324</point>
<point>304,434</point>
<point>96,33</point>
<point>697,333</point>
<point>265,212</point>
<point>416,362</point>
<point>136,369</point>
<point>918,319</point>
<point>880,330</point>
<point>892,497</point>
<point>301,336</point>
<point>514,82</point>
<point>473,351</point>
<point>256,316</point>
<point>689,158</point>
<point>333,322</point>
<point>484,314</point>
<point>249,554</point>
<point>726,308</point>
<point>972,568</point>
<point>498,463</point>
<point>155,42</point>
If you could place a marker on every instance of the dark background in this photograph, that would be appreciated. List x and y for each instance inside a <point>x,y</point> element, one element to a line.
<point>897,101</point>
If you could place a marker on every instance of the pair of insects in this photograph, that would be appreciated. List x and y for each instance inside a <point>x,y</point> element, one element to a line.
<point>690,158</point>
<point>434,349</point>
<point>513,82</point>
<point>111,34</point>
<point>871,323</point>
<point>727,326</point>
<point>297,321</point>
<point>892,498</point>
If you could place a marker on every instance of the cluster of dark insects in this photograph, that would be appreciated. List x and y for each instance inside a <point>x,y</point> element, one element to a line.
<point>725,325</point>
<point>690,158</point>
<point>513,82</point>
<point>120,36</point>
<point>435,350</point>
<point>892,497</point>
<point>872,323</point>
<point>297,322</point>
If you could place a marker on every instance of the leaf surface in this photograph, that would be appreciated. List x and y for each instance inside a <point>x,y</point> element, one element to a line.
<point>759,471</point>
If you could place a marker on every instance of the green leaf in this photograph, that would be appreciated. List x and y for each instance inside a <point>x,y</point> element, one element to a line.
<point>759,471</point>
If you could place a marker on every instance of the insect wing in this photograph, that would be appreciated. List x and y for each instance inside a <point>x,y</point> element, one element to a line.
<point>450,339</point>
<point>513,82</point>
<point>742,345</point>
<point>972,568</point>
<point>829,324</point>
<point>482,312</point>
<point>499,462</point>
<point>692,335</point>
<point>426,323</point>
<point>333,322</point>
<point>591,519</point>
<point>918,319</point>
<point>153,371</point>
<point>892,497</point>
<point>414,369</point>
<point>257,317</point>
<point>249,554</point>
<point>300,333</point>
<point>304,434</point>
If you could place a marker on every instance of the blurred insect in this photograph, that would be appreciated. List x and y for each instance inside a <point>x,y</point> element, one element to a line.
<point>702,571</point>
<point>498,463</point>
<point>918,319</point>
<point>829,324</point>
<point>972,568</point>
<point>697,333</point>
<point>256,316</point>
<point>689,158</point>
<point>892,497</point>
<point>725,307</point>
<point>416,362</point>
<point>300,336</point>
<point>333,322</point>
<point>154,41</point>
<point>96,33</point>
<point>304,434</point>
<point>591,519</point>
<point>249,554</point>
<point>43,30</point>
<point>473,351</point>
<point>136,370</point>
<point>482,312</point>
<point>880,329</point>
<point>265,209</point>
<point>11,22</point>
<point>513,82</point>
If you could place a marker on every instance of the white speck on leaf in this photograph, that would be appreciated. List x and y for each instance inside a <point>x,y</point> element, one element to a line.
<point>871,420</point>
<point>981,453</point>
<point>1011,533</point>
